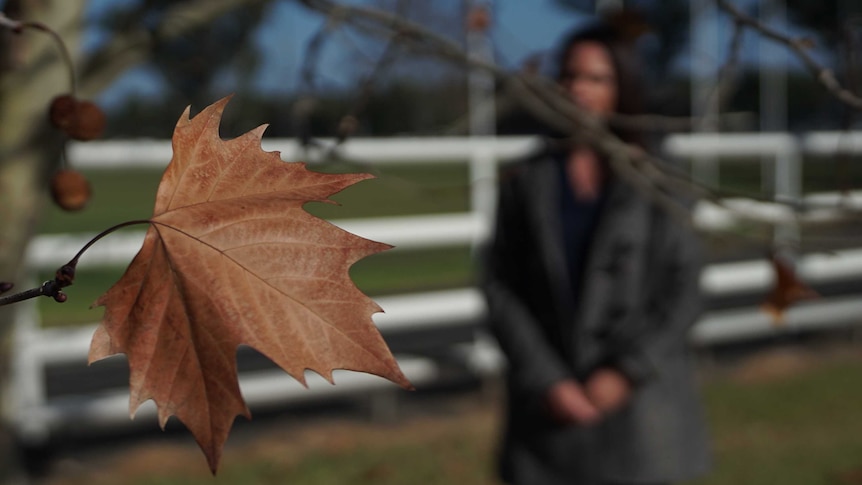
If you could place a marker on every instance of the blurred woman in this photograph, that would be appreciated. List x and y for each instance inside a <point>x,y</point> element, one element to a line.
<point>591,290</point>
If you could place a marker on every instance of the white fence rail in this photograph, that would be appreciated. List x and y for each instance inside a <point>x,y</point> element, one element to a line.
<point>37,416</point>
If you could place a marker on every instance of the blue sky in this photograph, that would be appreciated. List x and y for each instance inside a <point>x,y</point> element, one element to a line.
<point>521,28</point>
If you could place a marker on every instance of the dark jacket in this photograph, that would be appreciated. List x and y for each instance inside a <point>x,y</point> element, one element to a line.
<point>639,296</point>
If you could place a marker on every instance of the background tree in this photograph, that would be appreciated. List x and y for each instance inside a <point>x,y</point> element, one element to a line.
<point>187,65</point>
<point>32,74</point>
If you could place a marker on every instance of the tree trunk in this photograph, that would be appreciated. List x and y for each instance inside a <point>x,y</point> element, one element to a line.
<point>32,73</point>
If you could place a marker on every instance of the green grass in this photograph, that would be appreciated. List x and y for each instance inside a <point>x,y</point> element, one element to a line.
<point>802,429</point>
<point>410,271</point>
<point>441,461</point>
<point>799,428</point>
<point>401,190</point>
<point>417,189</point>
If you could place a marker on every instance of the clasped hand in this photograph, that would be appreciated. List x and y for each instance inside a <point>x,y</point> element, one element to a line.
<point>572,403</point>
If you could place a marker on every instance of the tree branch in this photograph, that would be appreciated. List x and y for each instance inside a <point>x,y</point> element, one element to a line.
<point>374,20</point>
<point>541,96</point>
<point>801,48</point>
<point>19,27</point>
<point>134,46</point>
<point>658,181</point>
<point>48,288</point>
<point>725,84</point>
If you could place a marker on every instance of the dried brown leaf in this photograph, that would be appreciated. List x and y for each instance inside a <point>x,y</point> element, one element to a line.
<point>232,258</point>
<point>788,289</point>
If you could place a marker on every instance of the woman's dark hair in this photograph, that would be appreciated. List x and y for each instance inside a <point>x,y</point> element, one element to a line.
<point>625,60</point>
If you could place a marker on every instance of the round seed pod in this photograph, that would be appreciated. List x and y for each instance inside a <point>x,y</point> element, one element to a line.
<point>81,120</point>
<point>70,190</point>
<point>63,112</point>
<point>90,122</point>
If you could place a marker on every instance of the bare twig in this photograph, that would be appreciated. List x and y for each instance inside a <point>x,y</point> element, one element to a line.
<point>725,84</point>
<point>348,122</point>
<point>49,288</point>
<point>379,22</point>
<point>654,123</point>
<point>18,27</point>
<point>312,53</point>
<point>132,46</point>
<point>801,48</point>
<point>623,166</point>
<point>843,179</point>
<point>13,25</point>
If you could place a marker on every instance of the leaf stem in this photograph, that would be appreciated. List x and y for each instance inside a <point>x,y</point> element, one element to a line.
<point>74,261</point>
<point>65,275</point>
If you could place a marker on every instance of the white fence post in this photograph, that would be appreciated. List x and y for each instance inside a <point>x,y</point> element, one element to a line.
<point>788,190</point>
<point>26,393</point>
<point>483,186</point>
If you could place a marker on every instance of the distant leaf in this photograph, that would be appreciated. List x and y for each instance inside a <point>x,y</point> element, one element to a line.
<point>232,258</point>
<point>788,289</point>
